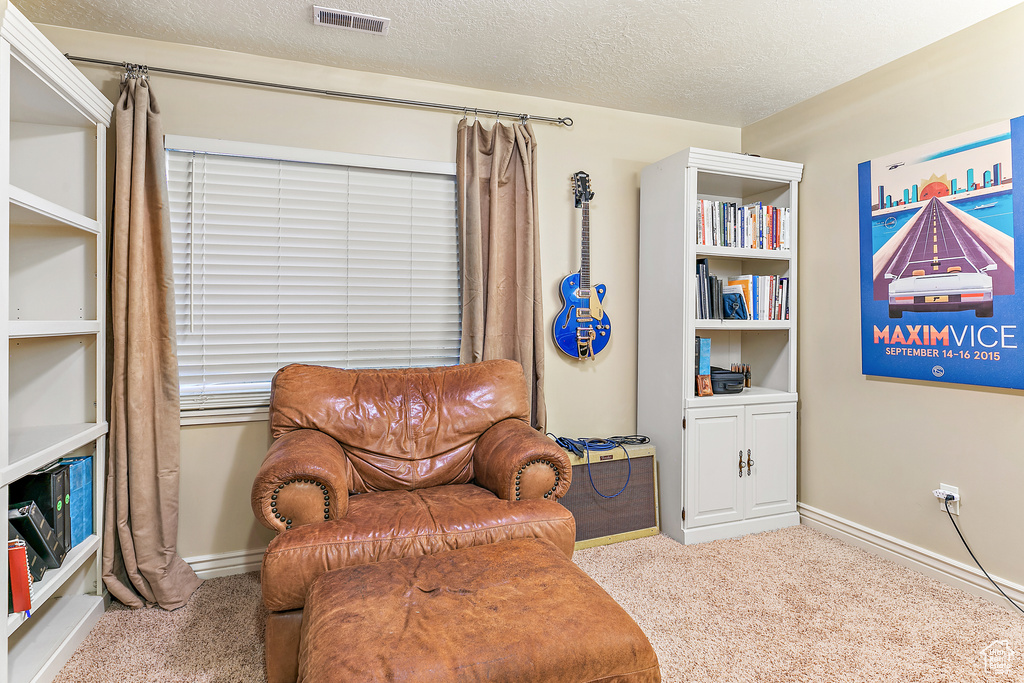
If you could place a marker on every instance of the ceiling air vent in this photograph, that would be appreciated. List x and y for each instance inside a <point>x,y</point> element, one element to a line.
<point>350,20</point>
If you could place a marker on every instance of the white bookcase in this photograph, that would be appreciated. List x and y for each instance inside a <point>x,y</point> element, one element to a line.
<point>54,302</point>
<point>705,491</point>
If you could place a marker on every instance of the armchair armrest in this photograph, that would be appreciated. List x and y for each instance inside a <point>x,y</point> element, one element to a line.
<point>303,479</point>
<point>516,462</point>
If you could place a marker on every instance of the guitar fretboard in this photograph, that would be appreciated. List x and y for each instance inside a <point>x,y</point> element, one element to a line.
<point>585,252</point>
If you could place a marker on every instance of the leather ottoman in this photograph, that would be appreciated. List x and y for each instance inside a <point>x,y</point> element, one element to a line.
<point>516,610</point>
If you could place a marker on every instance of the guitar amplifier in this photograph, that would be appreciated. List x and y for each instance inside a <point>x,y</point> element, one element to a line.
<point>633,513</point>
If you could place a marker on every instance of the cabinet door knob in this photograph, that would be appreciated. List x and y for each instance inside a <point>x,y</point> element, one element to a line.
<point>741,464</point>
<point>750,461</point>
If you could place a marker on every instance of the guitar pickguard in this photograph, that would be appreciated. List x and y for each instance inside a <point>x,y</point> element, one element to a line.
<point>597,303</point>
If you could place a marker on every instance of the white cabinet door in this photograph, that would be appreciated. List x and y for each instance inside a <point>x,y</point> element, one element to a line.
<point>770,435</point>
<point>714,487</point>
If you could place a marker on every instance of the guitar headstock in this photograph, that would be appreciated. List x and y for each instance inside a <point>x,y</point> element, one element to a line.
<point>581,188</point>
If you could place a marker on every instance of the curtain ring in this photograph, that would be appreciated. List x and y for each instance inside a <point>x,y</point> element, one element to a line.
<point>476,113</point>
<point>523,118</point>
<point>465,113</point>
<point>497,116</point>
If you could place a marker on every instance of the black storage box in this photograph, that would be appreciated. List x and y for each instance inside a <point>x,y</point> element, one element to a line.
<point>726,382</point>
<point>37,532</point>
<point>49,488</point>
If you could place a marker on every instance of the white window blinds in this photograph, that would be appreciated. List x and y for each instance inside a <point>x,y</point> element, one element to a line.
<point>279,262</point>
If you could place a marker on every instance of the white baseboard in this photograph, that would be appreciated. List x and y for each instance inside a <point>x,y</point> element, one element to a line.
<point>949,571</point>
<point>226,564</point>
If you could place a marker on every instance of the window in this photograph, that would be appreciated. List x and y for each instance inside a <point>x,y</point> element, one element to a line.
<point>292,256</point>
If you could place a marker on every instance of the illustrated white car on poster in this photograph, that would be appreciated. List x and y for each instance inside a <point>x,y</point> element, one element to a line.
<point>950,291</point>
<point>940,266</point>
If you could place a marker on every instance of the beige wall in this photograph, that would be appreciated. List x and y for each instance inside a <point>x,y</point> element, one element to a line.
<point>872,449</point>
<point>584,399</point>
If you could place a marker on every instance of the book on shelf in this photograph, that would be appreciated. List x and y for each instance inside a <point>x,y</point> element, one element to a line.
<point>80,489</point>
<point>765,297</point>
<point>785,298</point>
<point>777,301</point>
<point>702,365</point>
<point>708,289</point>
<point>37,532</point>
<point>703,296</point>
<point>764,287</point>
<point>19,584</point>
<point>716,297</point>
<point>750,226</point>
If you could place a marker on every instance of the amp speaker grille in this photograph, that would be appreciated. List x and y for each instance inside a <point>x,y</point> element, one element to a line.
<point>632,510</point>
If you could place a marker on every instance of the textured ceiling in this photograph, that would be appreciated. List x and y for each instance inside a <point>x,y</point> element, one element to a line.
<point>730,62</point>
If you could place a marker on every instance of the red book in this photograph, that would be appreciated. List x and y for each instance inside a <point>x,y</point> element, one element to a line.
<point>21,580</point>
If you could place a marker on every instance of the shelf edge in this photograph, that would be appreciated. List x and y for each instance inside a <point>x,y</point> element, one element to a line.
<point>27,329</point>
<point>744,253</point>
<point>45,207</point>
<point>719,324</point>
<point>744,398</point>
<point>33,461</point>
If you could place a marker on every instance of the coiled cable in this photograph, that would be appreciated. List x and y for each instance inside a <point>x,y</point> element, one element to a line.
<point>582,448</point>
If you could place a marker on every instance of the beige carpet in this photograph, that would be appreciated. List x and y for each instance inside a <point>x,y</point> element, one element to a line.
<point>788,606</point>
<point>216,638</point>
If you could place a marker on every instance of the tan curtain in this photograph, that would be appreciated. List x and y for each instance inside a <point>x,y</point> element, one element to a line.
<point>501,288</point>
<point>140,560</point>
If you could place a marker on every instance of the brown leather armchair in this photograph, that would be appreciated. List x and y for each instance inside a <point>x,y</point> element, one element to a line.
<point>369,465</point>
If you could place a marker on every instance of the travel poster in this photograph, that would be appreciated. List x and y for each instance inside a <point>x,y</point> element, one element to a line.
<point>940,229</point>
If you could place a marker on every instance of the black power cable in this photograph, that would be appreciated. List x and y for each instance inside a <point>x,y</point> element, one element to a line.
<point>945,501</point>
<point>582,448</point>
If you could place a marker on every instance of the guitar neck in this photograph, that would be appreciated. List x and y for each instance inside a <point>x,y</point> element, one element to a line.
<point>585,252</point>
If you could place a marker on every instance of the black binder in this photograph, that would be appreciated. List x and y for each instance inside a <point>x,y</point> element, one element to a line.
<point>51,490</point>
<point>36,566</point>
<point>37,532</point>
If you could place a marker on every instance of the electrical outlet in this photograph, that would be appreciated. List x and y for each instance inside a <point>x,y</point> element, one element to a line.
<point>954,505</point>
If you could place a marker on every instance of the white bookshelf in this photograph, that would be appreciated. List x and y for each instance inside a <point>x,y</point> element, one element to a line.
<point>701,439</point>
<point>53,274</point>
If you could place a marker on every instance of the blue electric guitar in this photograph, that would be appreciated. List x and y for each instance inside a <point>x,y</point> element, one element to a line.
<point>582,328</point>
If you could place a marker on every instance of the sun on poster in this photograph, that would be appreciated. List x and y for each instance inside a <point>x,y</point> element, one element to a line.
<point>940,227</point>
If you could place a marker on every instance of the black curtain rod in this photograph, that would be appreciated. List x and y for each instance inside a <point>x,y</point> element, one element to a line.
<point>564,121</point>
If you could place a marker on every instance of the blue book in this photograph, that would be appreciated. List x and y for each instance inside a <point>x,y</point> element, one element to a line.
<point>756,292</point>
<point>80,475</point>
<point>704,356</point>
